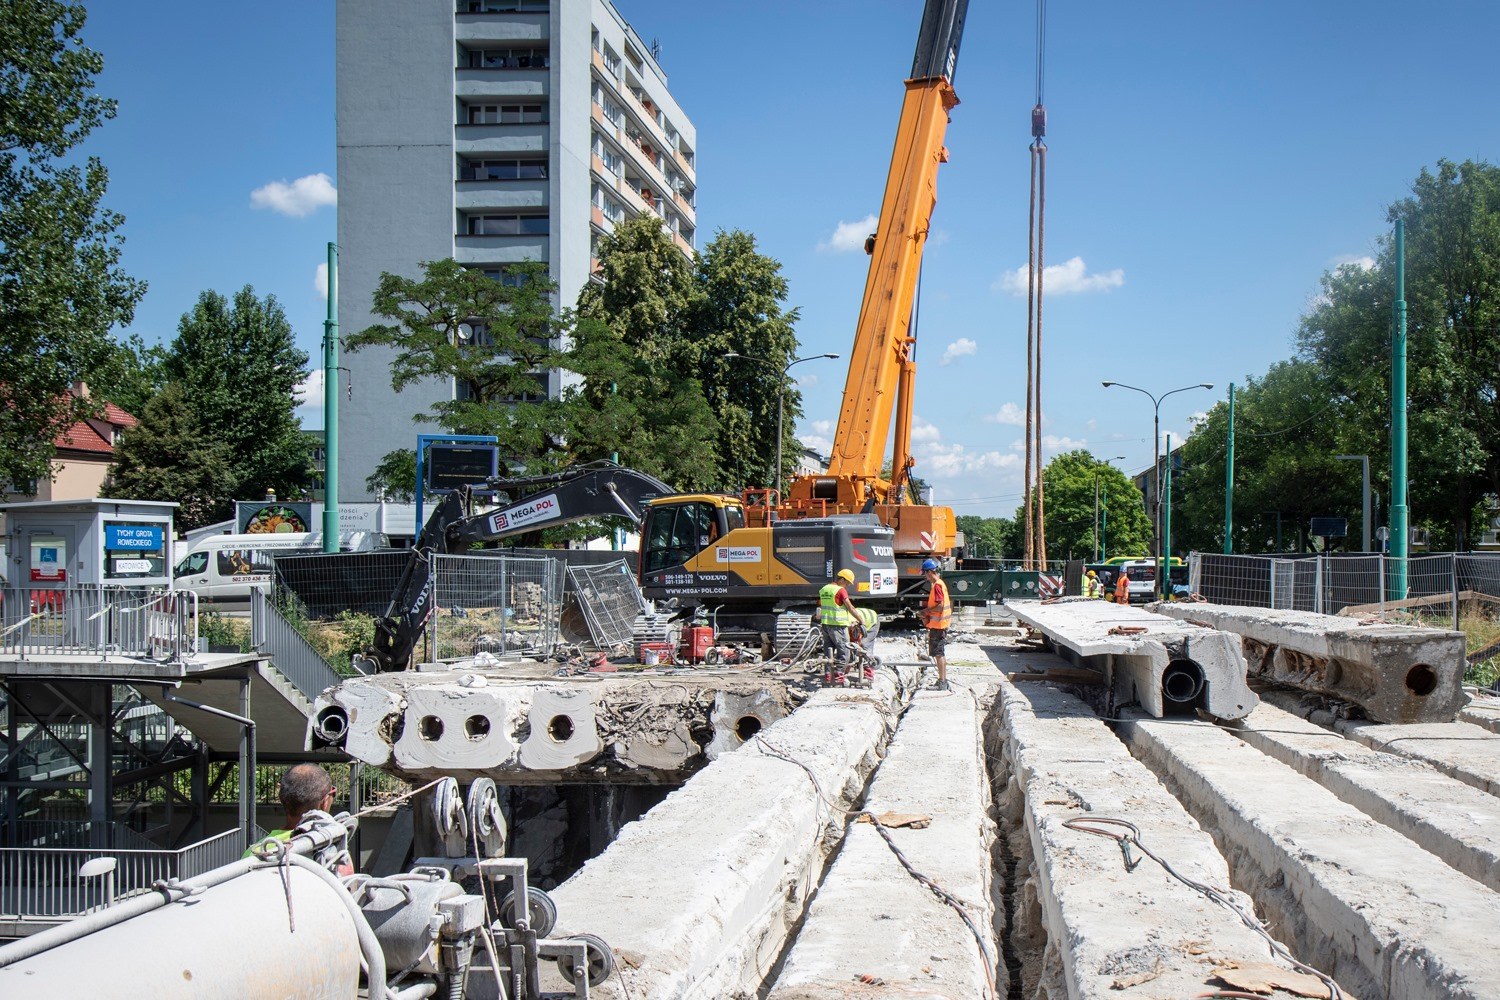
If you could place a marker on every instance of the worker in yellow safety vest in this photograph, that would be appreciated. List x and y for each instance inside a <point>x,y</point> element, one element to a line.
<point>1091,585</point>
<point>834,615</point>
<point>937,616</point>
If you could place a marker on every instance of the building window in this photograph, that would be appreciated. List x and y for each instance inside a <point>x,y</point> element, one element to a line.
<point>611,61</point>
<point>506,114</point>
<point>501,6</point>
<point>502,170</point>
<point>508,225</point>
<point>611,207</point>
<point>504,275</point>
<point>464,389</point>
<point>504,58</point>
<point>613,162</point>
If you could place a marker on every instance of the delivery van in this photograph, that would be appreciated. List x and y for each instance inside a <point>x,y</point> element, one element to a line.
<point>228,567</point>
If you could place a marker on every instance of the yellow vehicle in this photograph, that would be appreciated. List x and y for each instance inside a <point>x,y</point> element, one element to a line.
<point>882,371</point>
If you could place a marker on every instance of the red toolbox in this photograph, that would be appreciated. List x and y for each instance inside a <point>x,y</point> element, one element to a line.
<point>696,642</point>
<point>654,652</point>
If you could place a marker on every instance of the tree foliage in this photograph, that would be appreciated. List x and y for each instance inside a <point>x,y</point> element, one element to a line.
<point>171,456</point>
<point>239,367</point>
<point>494,339</point>
<point>61,286</point>
<point>988,537</point>
<point>1071,527</point>
<point>395,478</point>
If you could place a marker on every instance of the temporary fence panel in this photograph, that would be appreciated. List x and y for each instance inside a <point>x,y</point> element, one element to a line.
<point>498,605</point>
<point>610,599</point>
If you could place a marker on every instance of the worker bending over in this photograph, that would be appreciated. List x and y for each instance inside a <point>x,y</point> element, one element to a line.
<point>834,616</point>
<point>937,615</point>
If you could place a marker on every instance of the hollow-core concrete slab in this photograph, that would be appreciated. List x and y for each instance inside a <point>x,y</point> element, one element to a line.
<point>1354,897</point>
<point>870,917</point>
<point>1396,673</point>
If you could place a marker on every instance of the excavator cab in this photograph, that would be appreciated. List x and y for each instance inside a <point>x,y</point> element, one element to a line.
<point>678,528</point>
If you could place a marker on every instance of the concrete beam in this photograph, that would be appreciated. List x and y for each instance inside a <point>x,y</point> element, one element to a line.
<point>1148,658</point>
<point>1458,823</point>
<point>1396,673</point>
<point>871,918</point>
<point>517,728</point>
<point>1483,711</point>
<point>1352,897</point>
<point>698,896</point>
<point>1110,933</point>
<point>1467,752</point>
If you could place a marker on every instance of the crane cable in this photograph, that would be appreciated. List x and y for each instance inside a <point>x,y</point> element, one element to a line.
<point>1035,529</point>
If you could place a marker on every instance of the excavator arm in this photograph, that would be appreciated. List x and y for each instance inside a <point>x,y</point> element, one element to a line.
<point>600,489</point>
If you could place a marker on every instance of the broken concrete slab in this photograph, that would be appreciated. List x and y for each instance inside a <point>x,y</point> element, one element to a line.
<point>1484,712</point>
<point>1148,658</point>
<point>870,917</point>
<point>697,897</point>
<point>1110,932</point>
<point>1352,897</point>
<point>1395,673</point>
<point>1458,823</point>
<point>517,724</point>
<point>1467,752</point>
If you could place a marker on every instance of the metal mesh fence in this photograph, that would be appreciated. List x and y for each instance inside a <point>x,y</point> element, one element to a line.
<point>500,605</point>
<point>609,599</point>
<point>326,585</point>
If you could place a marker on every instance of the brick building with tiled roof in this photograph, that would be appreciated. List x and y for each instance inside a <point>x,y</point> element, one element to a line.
<point>85,451</point>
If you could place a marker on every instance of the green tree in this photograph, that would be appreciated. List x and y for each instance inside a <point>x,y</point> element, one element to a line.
<point>61,286</point>
<point>739,308</point>
<point>142,373</point>
<point>395,478</point>
<point>987,537</point>
<point>1070,479</point>
<point>641,390</point>
<point>496,339</point>
<point>240,366</point>
<point>170,456</point>
<point>1453,346</point>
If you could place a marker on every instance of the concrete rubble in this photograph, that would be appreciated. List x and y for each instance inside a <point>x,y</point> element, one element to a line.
<point>1394,673</point>
<point>1148,658</point>
<point>1352,896</point>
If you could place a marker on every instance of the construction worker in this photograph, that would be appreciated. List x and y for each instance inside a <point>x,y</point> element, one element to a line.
<point>1122,587</point>
<point>862,632</point>
<point>1091,585</point>
<point>937,616</point>
<point>834,615</point>
<point>307,796</point>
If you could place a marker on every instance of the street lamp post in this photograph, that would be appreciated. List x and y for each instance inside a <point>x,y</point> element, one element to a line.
<point>1364,461</point>
<point>1156,463</point>
<point>1101,514</point>
<point>780,400</point>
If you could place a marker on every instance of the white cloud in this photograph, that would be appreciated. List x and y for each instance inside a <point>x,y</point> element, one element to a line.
<point>945,461</point>
<point>1362,262</point>
<point>961,347</point>
<point>818,436</point>
<point>1092,424</point>
<point>849,236</point>
<point>320,281</point>
<point>1067,278</point>
<point>1009,413</point>
<point>807,381</point>
<point>303,196</point>
<point>310,390</point>
<point>1053,443</point>
<point>923,431</point>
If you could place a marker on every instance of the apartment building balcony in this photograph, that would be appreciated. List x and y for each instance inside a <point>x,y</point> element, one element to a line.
<point>476,139</point>
<point>499,249</point>
<point>506,27</point>
<point>682,244</point>
<point>644,164</point>
<point>596,216</point>
<point>474,195</point>
<point>684,205</point>
<point>633,200</point>
<point>499,83</point>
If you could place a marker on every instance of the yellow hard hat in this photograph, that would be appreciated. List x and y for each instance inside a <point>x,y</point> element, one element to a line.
<point>845,574</point>
<point>1092,573</point>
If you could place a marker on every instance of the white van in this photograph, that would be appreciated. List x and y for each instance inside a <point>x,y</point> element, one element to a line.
<point>227,567</point>
<point>1142,575</point>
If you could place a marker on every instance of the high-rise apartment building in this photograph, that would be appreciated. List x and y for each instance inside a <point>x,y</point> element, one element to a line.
<point>490,131</point>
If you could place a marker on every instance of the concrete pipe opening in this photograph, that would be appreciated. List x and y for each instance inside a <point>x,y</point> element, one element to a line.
<point>332,725</point>
<point>1182,682</point>
<point>477,727</point>
<point>560,729</point>
<point>746,727</point>
<point>1421,680</point>
<point>430,728</point>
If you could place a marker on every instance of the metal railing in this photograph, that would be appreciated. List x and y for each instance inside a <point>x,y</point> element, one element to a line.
<point>137,622</point>
<point>42,884</point>
<point>288,649</point>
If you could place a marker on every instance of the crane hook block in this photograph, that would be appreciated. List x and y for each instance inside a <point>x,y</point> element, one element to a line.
<point>1038,122</point>
<point>870,245</point>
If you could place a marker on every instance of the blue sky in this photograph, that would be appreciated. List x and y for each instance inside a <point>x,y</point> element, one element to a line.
<point>1207,163</point>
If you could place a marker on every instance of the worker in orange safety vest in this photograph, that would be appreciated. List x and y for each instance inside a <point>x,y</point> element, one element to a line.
<point>937,616</point>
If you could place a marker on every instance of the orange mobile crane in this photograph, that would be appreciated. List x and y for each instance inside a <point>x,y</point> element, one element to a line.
<point>882,369</point>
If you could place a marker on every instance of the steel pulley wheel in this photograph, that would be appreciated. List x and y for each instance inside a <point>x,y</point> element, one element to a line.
<point>486,818</point>
<point>601,961</point>
<point>543,911</point>
<point>448,809</point>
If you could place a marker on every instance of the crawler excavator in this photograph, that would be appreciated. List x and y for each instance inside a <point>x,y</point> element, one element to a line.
<point>882,367</point>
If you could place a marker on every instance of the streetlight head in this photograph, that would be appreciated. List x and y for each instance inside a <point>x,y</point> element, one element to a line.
<point>1207,385</point>
<point>1106,384</point>
<point>731,354</point>
<point>831,357</point>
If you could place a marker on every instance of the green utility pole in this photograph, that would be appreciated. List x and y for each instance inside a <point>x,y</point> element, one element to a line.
<point>1400,541</point>
<point>1166,528</point>
<point>1104,527</point>
<point>331,407</point>
<point>1229,480</point>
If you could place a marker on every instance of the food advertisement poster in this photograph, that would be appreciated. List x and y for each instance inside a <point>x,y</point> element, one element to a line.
<point>273,517</point>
